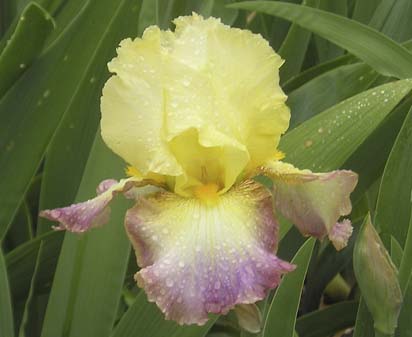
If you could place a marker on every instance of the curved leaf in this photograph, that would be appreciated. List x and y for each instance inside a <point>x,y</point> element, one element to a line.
<point>281,317</point>
<point>327,321</point>
<point>396,187</point>
<point>380,52</point>
<point>25,44</point>
<point>6,317</point>
<point>343,128</point>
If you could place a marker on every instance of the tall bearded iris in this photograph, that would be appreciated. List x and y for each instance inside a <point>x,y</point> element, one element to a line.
<point>198,112</point>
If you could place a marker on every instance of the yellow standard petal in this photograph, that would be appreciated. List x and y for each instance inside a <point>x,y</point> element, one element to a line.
<point>199,105</point>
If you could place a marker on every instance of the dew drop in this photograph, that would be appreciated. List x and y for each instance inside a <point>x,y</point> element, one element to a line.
<point>308,143</point>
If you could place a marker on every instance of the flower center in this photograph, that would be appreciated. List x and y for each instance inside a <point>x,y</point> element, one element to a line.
<point>207,193</point>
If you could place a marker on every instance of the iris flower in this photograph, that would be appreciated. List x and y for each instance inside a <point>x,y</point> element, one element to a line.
<point>198,112</point>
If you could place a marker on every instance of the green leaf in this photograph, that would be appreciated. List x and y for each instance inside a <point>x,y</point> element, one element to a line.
<point>376,149</point>
<point>405,269</point>
<point>396,253</point>
<point>381,53</point>
<point>52,86</point>
<point>216,8</point>
<point>22,260</point>
<point>294,46</point>
<point>313,72</point>
<point>69,149</point>
<point>149,15</point>
<point>6,317</point>
<point>396,187</point>
<point>25,44</point>
<point>329,263</point>
<point>364,322</point>
<point>364,10</point>
<point>7,12</point>
<point>145,316</point>
<point>381,13</point>
<point>342,128</point>
<point>325,49</point>
<point>91,268</point>
<point>21,229</point>
<point>281,317</point>
<point>328,321</point>
<point>327,90</point>
<point>28,307</point>
<point>398,23</point>
<point>405,323</point>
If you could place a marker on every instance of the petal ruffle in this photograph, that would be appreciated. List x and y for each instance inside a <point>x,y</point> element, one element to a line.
<point>340,233</point>
<point>204,88</point>
<point>95,212</point>
<point>200,258</point>
<point>314,201</point>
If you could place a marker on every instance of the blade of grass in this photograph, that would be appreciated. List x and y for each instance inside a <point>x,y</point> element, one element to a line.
<point>327,50</point>
<point>294,46</point>
<point>405,269</point>
<point>281,316</point>
<point>149,15</point>
<point>364,10</point>
<point>328,321</point>
<point>91,268</point>
<point>33,121</point>
<point>396,187</point>
<point>405,323</point>
<point>380,52</point>
<point>398,24</point>
<point>70,146</point>
<point>21,229</point>
<point>396,253</point>
<point>364,322</point>
<point>22,260</point>
<point>376,149</point>
<point>6,317</point>
<point>327,90</point>
<point>28,305</point>
<point>329,263</point>
<point>344,127</point>
<point>313,72</point>
<point>25,44</point>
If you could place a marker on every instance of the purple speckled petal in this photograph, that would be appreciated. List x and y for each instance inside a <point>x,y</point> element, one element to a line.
<point>91,213</point>
<point>199,258</point>
<point>340,233</point>
<point>312,201</point>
